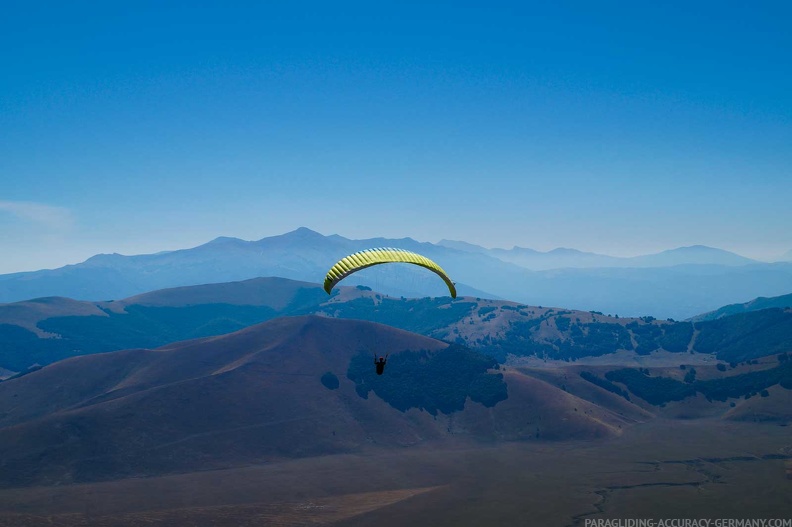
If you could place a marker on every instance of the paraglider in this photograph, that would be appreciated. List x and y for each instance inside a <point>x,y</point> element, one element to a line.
<point>362,259</point>
<point>380,364</point>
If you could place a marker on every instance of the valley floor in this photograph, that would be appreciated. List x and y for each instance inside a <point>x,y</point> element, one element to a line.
<point>662,469</point>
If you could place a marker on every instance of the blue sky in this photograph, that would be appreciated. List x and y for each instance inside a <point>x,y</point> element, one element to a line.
<point>616,127</point>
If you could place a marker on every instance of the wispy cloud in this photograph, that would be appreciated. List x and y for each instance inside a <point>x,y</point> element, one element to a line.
<point>51,217</point>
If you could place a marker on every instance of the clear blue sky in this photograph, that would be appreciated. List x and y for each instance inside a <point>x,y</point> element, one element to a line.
<point>617,127</point>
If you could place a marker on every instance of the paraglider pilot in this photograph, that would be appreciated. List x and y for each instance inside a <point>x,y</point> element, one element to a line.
<point>380,364</point>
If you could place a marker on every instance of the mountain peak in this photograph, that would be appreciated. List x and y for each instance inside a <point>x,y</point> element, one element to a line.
<point>696,248</point>
<point>303,232</point>
<point>300,234</point>
<point>223,241</point>
<point>104,259</point>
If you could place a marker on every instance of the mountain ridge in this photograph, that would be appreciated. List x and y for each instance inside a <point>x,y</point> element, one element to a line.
<point>677,291</point>
<point>42,331</point>
<point>564,257</point>
<point>757,304</point>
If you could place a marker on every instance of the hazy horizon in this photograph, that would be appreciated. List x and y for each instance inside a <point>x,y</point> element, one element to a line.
<point>171,249</point>
<point>615,129</point>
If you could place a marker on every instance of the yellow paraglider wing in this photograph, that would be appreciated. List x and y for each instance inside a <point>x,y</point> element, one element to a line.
<point>360,260</point>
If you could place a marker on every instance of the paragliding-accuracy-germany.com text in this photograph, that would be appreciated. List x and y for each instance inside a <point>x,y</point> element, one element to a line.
<point>688,522</point>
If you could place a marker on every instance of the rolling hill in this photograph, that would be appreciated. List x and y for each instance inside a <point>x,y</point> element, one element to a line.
<point>45,330</point>
<point>290,387</point>
<point>756,304</point>
<point>304,386</point>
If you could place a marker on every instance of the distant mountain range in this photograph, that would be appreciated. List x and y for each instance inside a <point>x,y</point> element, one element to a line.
<point>684,283</point>
<point>298,255</point>
<point>563,258</point>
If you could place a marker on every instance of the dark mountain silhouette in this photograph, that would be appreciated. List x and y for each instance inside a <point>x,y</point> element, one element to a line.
<point>285,388</point>
<point>756,304</point>
<point>688,283</point>
<point>746,336</point>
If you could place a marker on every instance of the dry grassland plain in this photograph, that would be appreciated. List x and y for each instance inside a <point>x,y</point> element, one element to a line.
<point>705,468</point>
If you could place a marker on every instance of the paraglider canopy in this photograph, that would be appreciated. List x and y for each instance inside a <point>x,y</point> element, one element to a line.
<point>362,259</point>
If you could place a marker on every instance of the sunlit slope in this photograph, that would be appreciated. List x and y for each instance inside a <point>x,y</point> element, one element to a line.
<point>755,390</point>
<point>773,406</point>
<point>538,410</point>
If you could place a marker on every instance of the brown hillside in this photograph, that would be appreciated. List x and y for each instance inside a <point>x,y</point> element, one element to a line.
<point>567,378</point>
<point>248,397</point>
<point>775,408</point>
<point>538,410</point>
